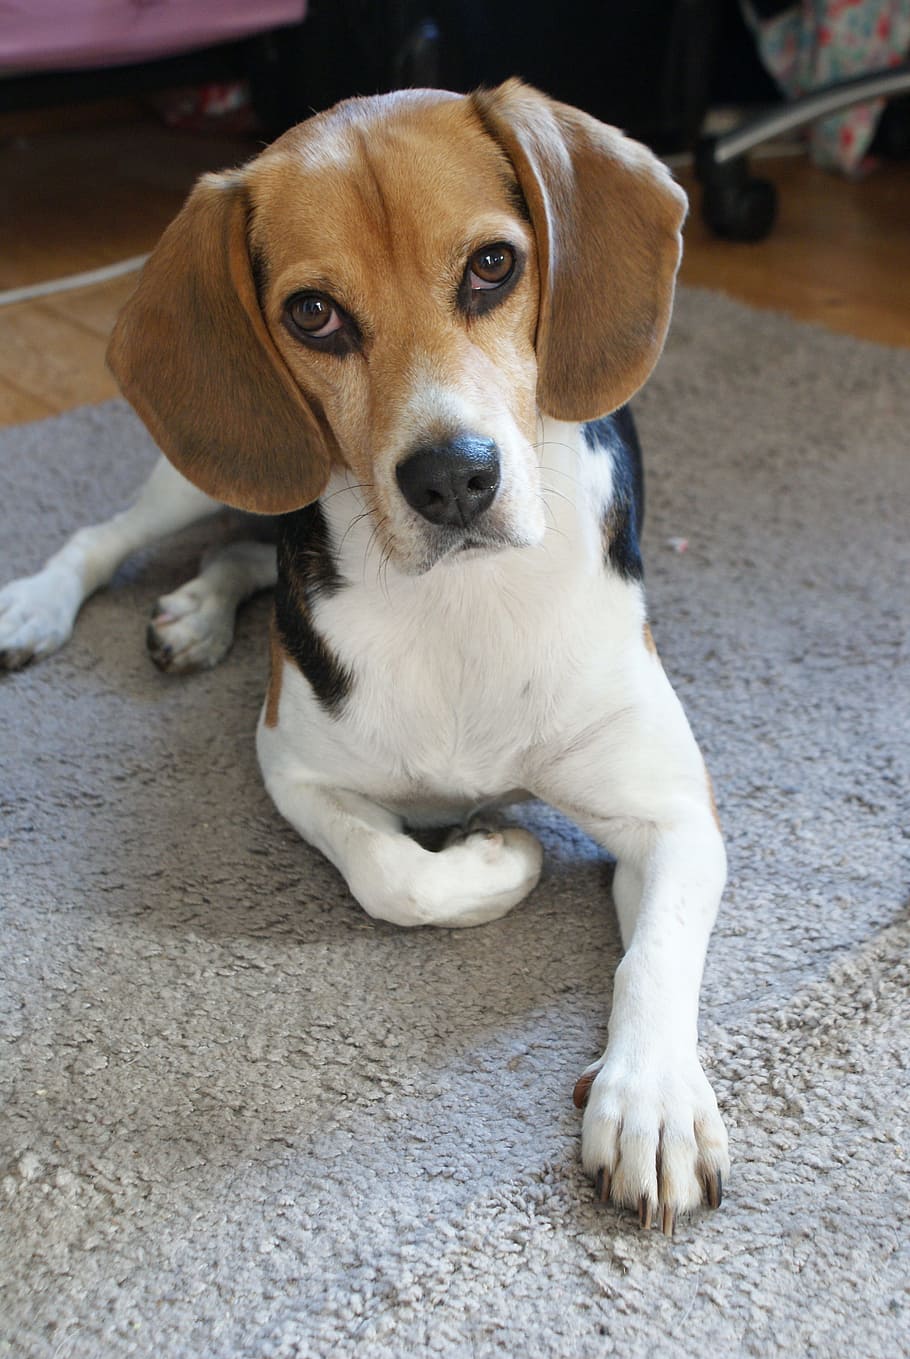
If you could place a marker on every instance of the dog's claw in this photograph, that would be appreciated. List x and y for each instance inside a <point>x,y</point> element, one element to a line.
<point>646,1206</point>
<point>159,651</point>
<point>715,1190</point>
<point>602,1186</point>
<point>664,1158</point>
<point>583,1089</point>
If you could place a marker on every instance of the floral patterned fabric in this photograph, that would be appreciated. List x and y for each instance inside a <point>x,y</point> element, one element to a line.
<point>818,42</point>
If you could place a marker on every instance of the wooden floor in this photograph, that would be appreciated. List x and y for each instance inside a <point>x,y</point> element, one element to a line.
<point>77,197</point>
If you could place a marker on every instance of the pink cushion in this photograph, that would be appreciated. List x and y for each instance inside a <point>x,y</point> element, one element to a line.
<point>45,34</point>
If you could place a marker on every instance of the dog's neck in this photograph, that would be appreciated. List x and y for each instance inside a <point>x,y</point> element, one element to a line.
<point>334,543</point>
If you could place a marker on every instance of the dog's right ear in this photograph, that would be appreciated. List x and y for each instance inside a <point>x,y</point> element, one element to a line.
<point>607,217</point>
<point>192,353</point>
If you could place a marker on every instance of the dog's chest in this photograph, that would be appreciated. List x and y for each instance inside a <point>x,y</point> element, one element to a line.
<point>451,688</point>
<point>456,684</point>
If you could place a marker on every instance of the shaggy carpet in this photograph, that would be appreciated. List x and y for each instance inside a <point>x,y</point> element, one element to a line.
<point>241,1119</point>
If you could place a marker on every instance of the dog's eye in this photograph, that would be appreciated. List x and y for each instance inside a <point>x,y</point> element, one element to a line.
<point>491,266</point>
<point>313,316</point>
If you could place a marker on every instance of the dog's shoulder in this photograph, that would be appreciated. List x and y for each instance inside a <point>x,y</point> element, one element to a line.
<point>308,571</point>
<point>615,438</point>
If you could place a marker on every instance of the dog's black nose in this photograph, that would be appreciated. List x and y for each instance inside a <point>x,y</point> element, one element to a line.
<point>452,482</point>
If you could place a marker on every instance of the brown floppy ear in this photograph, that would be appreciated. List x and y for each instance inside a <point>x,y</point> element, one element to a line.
<point>607,217</point>
<point>192,353</point>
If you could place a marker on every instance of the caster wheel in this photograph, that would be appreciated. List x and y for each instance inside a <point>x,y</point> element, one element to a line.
<point>743,211</point>
<point>893,136</point>
<point>734,204</point>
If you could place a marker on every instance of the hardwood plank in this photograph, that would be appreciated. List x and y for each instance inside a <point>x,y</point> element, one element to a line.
<point>839,254</point>
<point>18,407</point>
<point>77,200</point>
<point>94,308</point>
<point>53,359</point>
<point>64,117</point>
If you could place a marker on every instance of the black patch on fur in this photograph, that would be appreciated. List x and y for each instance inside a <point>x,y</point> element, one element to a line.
<point>517,198</point>
<point>307,572</point>
<point>617,436</point>
<point>509,179</point>
<point>260,271</point>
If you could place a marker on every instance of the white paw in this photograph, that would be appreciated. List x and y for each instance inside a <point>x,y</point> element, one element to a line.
<point>191,629</point>
<point>487,872</point>
<point>652,1137</point>
<point>37,614</point>
<point>477,878</point>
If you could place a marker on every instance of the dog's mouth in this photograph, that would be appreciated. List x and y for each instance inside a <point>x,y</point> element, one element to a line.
<point>454,547</point>
<point>472,544</point>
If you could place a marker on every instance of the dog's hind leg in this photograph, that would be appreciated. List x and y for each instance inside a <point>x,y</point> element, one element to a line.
<point>193,628</point>
<point>477,879</point>
<point>37,613</point>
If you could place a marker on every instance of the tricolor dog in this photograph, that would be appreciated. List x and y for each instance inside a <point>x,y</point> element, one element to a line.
<point>408,330</point>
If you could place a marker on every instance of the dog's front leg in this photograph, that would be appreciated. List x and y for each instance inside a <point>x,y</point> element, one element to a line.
<point>478,877</point>
<point>37,613</point>
<point>652,1137</point>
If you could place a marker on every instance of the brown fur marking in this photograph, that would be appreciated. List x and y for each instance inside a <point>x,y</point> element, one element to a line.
<point>276,673</point>
<point>713,800</point>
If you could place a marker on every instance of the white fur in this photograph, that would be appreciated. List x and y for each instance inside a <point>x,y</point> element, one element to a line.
<point>193,627</point>
<point>524,670</point>
<point>493,675</point>
<point>37,613</point>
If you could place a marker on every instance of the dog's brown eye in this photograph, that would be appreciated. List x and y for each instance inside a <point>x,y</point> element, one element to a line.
<point>313,315</point>
<point>491,266</point>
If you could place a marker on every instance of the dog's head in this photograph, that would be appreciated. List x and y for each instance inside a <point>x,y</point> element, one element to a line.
<point>399,287</point>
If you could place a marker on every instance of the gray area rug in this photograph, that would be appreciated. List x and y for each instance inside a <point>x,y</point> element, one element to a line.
<point>241,1119</point>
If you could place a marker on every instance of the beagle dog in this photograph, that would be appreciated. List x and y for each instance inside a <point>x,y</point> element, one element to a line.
<point>408,331</point>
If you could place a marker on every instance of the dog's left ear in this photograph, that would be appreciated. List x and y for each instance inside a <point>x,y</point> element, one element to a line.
<point>192,353</point>
<point>607,216</point>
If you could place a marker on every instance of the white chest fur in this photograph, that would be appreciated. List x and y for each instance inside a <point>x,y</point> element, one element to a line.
<point>465,674</point>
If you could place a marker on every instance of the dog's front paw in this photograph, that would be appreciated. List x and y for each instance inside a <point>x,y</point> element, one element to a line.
<point>37,614</point>
<point>191,629</point>
<point>652,1137</point>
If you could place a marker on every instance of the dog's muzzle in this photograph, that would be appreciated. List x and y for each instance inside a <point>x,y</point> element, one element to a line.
<point>451,483</point>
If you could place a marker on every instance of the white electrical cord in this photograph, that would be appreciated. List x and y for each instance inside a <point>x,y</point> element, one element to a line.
<point>72,281</point>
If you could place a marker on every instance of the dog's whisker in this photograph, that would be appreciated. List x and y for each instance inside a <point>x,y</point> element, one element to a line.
<point>348,486</point>
<point>382,566</point>
<point>386,563</point>
<point>551,490</point>
<point>376,535</point>
<point>553,532</point>
<point>358,519</point>
<point>553,529</point>
<point>559,471</point>
<point>549,512</point>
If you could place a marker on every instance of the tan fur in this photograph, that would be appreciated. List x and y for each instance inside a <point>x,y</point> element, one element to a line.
<point>276,675</point>
<point>393,260</point>
<point>712,799</point>
<point>650,644</point>
<point>191,353</point>
<point>348,203</point>
<point>607,222</point>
